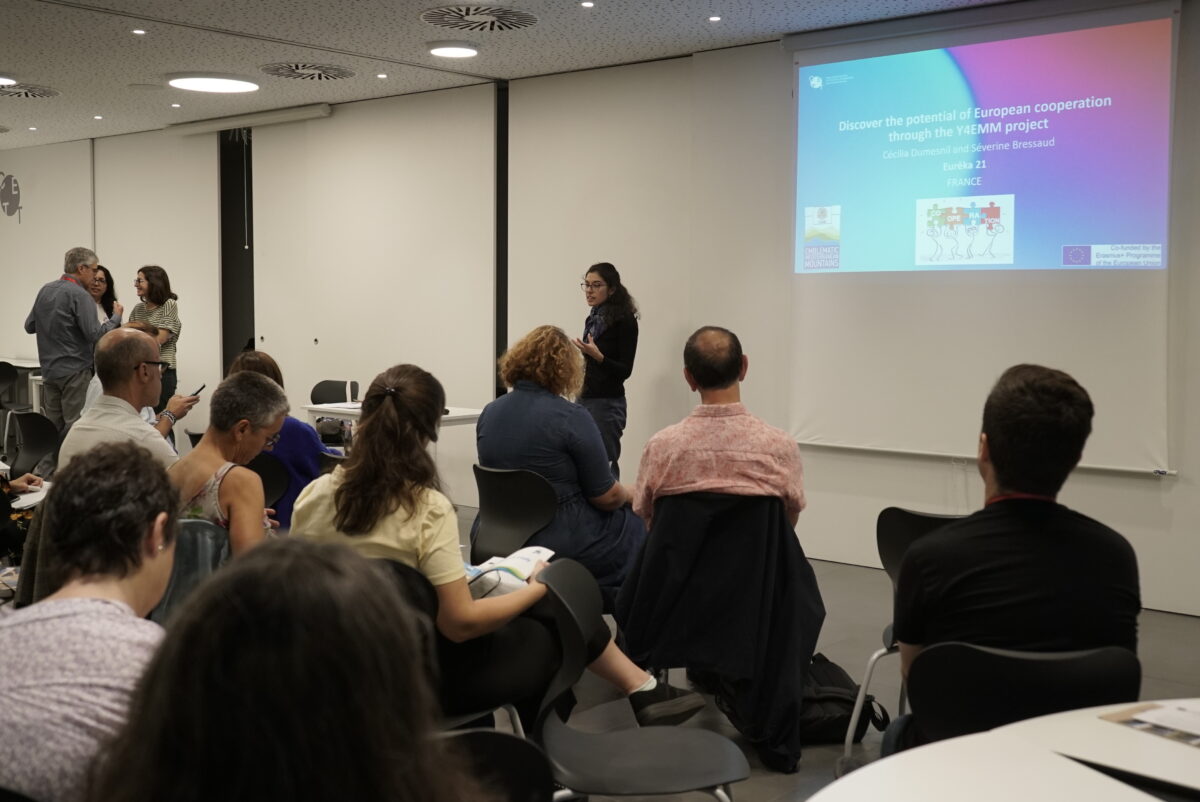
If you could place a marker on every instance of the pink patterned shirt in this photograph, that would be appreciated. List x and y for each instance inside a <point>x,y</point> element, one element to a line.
<point>720,448</point>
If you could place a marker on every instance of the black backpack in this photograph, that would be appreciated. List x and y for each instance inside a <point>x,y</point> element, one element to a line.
<point>829,695</point>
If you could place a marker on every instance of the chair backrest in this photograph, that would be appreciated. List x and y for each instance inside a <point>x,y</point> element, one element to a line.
<point>959,688</point>
<point>8,377</point>
<point>896,529</point>
<point>201,547</point>
<point>328,462</point>
<point>12,796</point>
<point>194,438</point>
<point>512,768</point>
<point>513,506</point>
<point>422,597</point>
<point>36,437</point>
<point>332,391</point>
<point>274,476</point>
<point>578,615</point>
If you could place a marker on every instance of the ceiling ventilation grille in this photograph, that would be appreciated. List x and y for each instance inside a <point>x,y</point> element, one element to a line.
<point>479,18</point>
<point>27,90</point>
<point>308,72</point>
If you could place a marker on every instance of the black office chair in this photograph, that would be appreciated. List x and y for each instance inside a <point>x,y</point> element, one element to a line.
<point>194,438</point>
<point>638,762</point>
<point>36,437</point>
<point>9,376</point>
<point>422,596</point>
<point>201,547</point>
<point>895,530</point>
<point>7,795</point>
<point>513,506</point>
<point>274,476</point>
<point>332,391</point>
<point>327,462</point>
<point>959,688</point>
<point>504,764</point>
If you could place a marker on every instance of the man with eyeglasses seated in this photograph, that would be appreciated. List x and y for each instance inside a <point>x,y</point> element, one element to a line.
<point>130,371</point>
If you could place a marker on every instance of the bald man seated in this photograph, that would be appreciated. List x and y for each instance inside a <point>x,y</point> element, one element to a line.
<point>720,447</point>
<point>130,372</point>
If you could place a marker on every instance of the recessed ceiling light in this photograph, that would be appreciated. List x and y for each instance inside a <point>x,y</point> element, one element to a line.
<point>714,19</point>
<point>97,117</point>
<point>138,32</point>
<point>381,75</point>
<point>32,128</point>
<point>174,105</point>
<point>211,82</point>
<point>6,81</point>
<point>587,3</point>
<point>453,49</point>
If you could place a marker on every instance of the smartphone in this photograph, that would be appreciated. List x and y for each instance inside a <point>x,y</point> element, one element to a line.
<point>201,388</point>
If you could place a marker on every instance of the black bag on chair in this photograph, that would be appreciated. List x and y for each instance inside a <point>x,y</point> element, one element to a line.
<point>829,695</point>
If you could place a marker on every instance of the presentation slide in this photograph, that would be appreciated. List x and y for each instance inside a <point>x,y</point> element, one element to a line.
<point>1043,152</point>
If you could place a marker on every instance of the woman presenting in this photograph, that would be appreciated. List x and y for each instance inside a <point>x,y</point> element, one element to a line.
<point>158,308</point>
<point>610,335</point>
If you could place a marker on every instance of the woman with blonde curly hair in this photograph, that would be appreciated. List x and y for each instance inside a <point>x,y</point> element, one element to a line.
<point>536,428</point>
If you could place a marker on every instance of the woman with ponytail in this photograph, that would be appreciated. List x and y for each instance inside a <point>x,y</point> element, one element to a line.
<point>386,502</point>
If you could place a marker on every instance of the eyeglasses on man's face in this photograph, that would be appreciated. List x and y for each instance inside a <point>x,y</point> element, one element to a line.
<point>594,285</point>
<point>272,440</point>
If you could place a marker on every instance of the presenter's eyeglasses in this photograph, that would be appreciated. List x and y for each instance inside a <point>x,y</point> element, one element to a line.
<point>595,285</point>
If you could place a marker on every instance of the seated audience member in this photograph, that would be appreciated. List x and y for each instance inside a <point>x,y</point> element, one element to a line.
<point>295,673</point>
<point>534,427</point>
<point>299,444</point>
<point>386,502</point>
<point>177,407</point>
<point>12,525</point>
<point>245,416</point>
<point>69,663</point>
<point>1024,572</point>
<point>720,447</point>
<point>129,369</point>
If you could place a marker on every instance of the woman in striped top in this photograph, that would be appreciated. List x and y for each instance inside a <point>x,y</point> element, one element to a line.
<point>158,308</point>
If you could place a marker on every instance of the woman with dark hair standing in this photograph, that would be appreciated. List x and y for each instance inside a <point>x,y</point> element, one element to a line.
<point>295,673</point>
<point>104,292</point>
<point>610,335</point>
<point>386,502</point>
<point>158,308</point>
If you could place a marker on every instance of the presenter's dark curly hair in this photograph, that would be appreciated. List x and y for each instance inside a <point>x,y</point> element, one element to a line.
<point>620,303</point>
<point>389,467</point>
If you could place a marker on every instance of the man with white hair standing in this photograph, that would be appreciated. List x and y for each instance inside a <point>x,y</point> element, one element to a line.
<point>64,319</point>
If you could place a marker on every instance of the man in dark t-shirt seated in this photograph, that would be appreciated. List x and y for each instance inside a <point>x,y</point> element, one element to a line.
<point>1024,572</point>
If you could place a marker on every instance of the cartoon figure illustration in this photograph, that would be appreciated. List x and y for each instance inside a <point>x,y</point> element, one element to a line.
<point>993,230</point>
<point>950,235</point>
<point>932,232</point>
<point>972,231</point>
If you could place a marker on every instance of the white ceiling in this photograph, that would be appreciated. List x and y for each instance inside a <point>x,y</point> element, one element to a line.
<point>86,51</point>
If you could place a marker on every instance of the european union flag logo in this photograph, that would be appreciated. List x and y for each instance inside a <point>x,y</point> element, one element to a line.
<point>1077,255</point>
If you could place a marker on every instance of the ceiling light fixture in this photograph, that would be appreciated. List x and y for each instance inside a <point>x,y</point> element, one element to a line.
<point>381,75</point>
<point>97,117</point>
<point>587,3</point>
<point>138,32</point>
<point>714,19</point>
<point>453,49</point>
<point>32,128</point>
<point>174,105</point>
<point>6,81</point>
<point>211,82</point>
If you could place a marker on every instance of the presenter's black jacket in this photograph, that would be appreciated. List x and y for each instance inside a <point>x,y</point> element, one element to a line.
<point>618,343</point>
<point>722,587</point>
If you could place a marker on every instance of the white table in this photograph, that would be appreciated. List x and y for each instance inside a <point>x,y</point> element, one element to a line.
<point>1029,760</point>
<point>454,450</point>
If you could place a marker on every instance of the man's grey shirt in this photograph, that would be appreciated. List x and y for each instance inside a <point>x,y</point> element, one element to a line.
<point>64,319</point>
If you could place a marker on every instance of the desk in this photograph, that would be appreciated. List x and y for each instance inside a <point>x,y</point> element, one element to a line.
<point>1029,760</point>
<point>454,451</point>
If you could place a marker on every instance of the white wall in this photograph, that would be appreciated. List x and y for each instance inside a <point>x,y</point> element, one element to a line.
<point>56,193</point>
<point>679,172</point>
<point>157,203</point>
<point>374,246</point>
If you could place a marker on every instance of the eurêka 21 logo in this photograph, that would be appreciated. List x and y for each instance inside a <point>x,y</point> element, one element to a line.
<point>10,196</point>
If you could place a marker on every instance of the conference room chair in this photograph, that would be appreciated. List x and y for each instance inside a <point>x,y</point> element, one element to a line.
<point>645,761</point>
<point>685,604</point>
<point>9,375</point>
<point>327,462</point>
<point>7,795</point>
<point>333,391</point>
<point>513,506</point>
<point>274,476</point>
<point>201,547</point>
<point>422,597</point>
<point>36,437</point>
<point>895,530</point>
<point>194,438</point>
<point>511,768</point>
<point>959,688</point>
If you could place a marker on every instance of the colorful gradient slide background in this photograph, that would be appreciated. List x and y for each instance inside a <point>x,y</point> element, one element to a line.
<point>1103,182</point>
